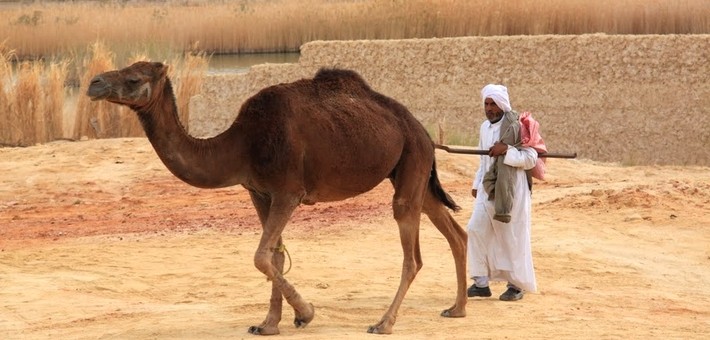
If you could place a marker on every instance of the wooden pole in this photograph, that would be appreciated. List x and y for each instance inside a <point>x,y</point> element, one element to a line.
<point>485,152</point>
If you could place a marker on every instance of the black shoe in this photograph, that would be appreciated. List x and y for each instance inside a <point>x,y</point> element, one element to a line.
<point>478,291</point>
<point>511,294</point>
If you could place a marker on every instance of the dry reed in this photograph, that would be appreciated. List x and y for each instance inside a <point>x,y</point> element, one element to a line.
<point>32,104</point>
<point>43,28</point>
<point>7,124</point>
<point>29,103</point>
<point>187,74</point>
<point>94,119</point>
<point>106,120</point>
<point>33,97</point>
<point>54,101</point>
<point>61,28</point>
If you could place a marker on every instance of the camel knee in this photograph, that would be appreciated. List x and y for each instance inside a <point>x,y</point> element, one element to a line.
<point>419,267</point>
<point>447,225</point>
<point>404,210</point>
<point>411,269</point>
<point>460,234</point>
<point>262,262</point>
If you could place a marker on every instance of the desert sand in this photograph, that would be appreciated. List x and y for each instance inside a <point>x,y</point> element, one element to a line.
<point>99,241</point>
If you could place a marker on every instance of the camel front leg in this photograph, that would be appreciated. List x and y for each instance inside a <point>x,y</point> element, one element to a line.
<point>262,203</point>
<point>270,324</point>
<point>269,260</point>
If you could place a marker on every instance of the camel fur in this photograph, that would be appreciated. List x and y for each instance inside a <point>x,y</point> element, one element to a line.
<point>313,140</point>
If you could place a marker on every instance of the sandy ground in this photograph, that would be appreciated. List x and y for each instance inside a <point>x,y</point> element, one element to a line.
<point>98,240</point>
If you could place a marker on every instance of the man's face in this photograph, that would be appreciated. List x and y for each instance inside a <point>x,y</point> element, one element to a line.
<point>493,112</point>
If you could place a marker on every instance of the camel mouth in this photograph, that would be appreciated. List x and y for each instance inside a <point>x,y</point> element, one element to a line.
<point>98,89</point>
<point>95,95</point>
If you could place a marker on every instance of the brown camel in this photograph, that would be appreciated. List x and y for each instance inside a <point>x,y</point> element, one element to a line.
<point>314,140</point>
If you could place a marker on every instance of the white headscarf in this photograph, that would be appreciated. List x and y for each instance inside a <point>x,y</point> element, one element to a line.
<point>499,94</point>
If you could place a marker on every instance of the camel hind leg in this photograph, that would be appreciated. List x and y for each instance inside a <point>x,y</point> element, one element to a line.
<point>406,205</point>
<point>456,236</point>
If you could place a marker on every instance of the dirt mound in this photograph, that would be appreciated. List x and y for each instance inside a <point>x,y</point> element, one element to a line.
<point>672,194</point>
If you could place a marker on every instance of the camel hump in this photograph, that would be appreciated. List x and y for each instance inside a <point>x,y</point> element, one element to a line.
<point>340,78</point>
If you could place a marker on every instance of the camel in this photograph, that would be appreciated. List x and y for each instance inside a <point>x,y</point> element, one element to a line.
<point>313,140</point>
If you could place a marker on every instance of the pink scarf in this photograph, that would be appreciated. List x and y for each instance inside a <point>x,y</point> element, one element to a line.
<point>530,137</point>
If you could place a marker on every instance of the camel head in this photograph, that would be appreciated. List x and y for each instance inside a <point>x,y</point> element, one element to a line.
<point>132,86</point>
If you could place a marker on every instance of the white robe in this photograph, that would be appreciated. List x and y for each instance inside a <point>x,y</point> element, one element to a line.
<point>500,250</point>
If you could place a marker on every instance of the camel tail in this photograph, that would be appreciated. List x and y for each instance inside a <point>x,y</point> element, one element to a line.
<point>439,192</point>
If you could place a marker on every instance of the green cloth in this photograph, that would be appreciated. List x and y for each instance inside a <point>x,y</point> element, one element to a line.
<point>499,181</point>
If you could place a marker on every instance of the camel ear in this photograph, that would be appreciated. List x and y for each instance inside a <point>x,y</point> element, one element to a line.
<point>161,69</point>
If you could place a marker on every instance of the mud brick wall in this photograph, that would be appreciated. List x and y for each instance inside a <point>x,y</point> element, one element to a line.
<point>613,98</point>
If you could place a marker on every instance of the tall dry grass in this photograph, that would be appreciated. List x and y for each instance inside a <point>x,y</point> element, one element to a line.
<point>7,123</point>
<point>29,103</point>
<point>54,99</point>
<point>98,119</point>
<point>34,92</point>
<point>102,119</point>
<point>44,28</point>
<point>31,100</point>
<point>33,97</point>
<point>187,75</point>
<point>92,118</point>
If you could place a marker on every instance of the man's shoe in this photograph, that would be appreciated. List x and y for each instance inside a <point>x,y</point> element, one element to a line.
<point>511,294</point>
<point>478,291</point>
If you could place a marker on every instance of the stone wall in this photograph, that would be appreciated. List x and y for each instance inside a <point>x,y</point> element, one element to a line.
<point>628,99</point>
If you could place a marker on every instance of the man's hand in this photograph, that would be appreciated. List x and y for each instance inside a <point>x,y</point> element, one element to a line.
<point>474,192</point>
<point>499,148</point>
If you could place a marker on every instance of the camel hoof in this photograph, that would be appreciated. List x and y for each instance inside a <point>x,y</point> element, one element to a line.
<point>452,313</point>
<point>302,320</point>
<point>299,323</point>
<point>256,330</point>
<point>378,329</point>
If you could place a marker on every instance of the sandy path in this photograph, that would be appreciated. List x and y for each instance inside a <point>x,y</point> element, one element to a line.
<point>98,240</point>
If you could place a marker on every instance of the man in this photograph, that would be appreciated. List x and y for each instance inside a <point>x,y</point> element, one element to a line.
<point>500,250</point>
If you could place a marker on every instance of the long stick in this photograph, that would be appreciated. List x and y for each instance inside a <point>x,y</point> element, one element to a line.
<point>485,152</point>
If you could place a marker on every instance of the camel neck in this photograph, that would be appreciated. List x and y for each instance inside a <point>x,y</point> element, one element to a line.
<point>204,163</point>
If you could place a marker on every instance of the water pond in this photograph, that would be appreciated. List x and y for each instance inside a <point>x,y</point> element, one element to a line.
<point>240,63</point>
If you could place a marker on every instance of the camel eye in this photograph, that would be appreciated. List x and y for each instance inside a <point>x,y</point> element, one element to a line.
<point>133,80</point>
